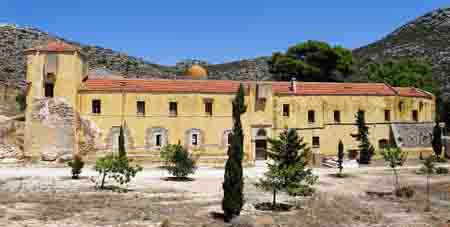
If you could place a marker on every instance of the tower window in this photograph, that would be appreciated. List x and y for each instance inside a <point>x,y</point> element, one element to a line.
<point>194,141</point>
<point>311,116</point>
<point>49,90</point>
<point>415,115</point>
<point>209,108</point>
<point>173,109</point>
<point>140,106</point>
<point>316,141</point>
<point>286,110</point>
<point>387,115</point>
<point>96,106</point>
<point>337,116</point>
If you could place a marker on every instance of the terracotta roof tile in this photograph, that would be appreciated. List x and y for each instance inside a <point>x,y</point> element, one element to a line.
<point>411,92</point>
<point>54,46</point>
<point>229,86</point>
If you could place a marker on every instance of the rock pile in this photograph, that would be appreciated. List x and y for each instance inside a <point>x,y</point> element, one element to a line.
<point>10,152</point>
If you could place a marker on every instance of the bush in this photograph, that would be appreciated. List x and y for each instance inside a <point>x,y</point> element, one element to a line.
<point>441,159</point>
<point>76,164</point>
<point>21,100</point>
<point>442,170</point>
<point>178,161</point>
<point>116,167</point>
<point>404,192</point>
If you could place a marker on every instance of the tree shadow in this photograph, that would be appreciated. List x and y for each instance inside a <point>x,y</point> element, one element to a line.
<point>178,179</point>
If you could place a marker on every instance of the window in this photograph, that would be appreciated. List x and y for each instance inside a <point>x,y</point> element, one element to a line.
<point>387,115</point>
<point>194,140</point>
<point>49,90</point>
<point>158,140</point>
<point>415,115</point>
<point>96,106</point>
<point>286,110</point>
<point>173,109</point>
<point>337,116</point>
<point>209,108</point>
<point>311,116</point>
<point>140,106</point>
<point>316,141</point>
<point>400,106</point>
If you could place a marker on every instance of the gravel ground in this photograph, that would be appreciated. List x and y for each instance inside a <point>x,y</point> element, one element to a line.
<point>37,196</point>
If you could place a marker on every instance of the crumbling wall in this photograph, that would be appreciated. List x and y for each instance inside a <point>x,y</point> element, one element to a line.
<point>52,125</point>
<point>11,140</point>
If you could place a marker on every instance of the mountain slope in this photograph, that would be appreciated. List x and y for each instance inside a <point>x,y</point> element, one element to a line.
<point>427,37</point>
<point>14,40</point>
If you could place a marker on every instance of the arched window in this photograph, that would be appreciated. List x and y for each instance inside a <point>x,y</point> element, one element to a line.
<point>261,132</point>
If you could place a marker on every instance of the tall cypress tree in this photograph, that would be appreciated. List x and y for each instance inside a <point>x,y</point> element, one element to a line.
<point>122,152</point>
<point>340,156</point>
<point>233,185</point>
<point>436,142</point>
<point>366,150</point>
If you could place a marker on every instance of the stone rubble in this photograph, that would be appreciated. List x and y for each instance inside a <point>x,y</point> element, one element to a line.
<point>10,152</point>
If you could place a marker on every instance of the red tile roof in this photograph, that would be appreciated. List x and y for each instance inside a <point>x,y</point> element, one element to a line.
<point>137,85</point>
<point>54,46</point>
<point>410,92</point>
<point>229,86</point>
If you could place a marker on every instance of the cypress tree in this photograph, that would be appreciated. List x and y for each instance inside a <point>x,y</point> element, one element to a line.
<point>122,152</point>
<point>436,142</point>
<point>233,185</point>
<point>366,149</point>
<point>340,156</point>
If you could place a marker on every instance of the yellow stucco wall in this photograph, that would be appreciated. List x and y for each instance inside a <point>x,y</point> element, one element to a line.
<point>117,107</point>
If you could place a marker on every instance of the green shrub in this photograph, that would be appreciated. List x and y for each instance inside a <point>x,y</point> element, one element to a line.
<point>405,192</point>
<point>21,100</point>
<point>178,161</point>
<point>116,167</point>
<point>442,170</point>
<point>76,164</point>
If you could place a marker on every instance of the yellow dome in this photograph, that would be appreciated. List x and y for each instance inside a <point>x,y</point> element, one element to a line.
<point>197,72</point>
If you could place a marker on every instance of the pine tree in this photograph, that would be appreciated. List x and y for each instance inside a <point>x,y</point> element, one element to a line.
<point>437,141</point>
<point>122,152</point>
<point>340,156</point>
<point>289,149</point>
<point>233,185</point>
<point>366,149</point>
<point>289,170</point>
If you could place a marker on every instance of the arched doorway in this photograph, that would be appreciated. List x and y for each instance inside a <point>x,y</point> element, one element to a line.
<point>261,145</point>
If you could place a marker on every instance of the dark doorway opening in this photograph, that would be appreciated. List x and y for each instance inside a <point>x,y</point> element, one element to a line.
<point>261,149</point>
<point>49,90</point>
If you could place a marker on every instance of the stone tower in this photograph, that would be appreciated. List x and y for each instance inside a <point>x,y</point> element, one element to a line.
<point>55,71</point>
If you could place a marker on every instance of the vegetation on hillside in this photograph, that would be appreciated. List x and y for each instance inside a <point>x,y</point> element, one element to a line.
<point>404,72</point>
<point>312,61</point>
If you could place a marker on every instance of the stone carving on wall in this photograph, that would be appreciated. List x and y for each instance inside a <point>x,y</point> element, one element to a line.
<point>412,135</point>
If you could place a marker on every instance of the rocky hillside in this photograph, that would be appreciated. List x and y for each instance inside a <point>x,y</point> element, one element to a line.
<point>427,37</point>
<point>14,40</point>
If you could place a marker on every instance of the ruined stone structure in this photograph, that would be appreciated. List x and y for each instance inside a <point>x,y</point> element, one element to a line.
<point>69,111</point>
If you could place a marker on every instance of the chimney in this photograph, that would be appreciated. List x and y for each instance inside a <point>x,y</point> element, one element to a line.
<point>293,86</point>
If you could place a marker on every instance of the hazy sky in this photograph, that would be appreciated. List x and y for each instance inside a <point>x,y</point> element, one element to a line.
<point>216,31</point>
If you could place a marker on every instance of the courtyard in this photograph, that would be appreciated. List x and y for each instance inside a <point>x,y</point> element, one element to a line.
<point>42,196</point>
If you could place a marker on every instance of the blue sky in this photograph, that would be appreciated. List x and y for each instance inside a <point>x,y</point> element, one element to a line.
<point>216,31</point>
